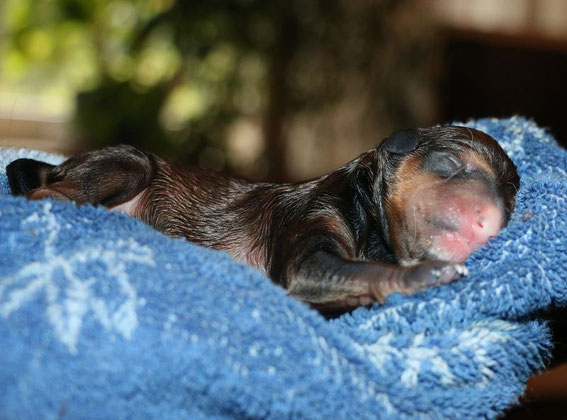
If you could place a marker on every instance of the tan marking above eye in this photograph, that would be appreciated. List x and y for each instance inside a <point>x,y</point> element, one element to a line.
<point>477,161</point>
<point>409,178</point>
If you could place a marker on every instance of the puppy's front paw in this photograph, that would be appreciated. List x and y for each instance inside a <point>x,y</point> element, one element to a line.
<point>432,273</point>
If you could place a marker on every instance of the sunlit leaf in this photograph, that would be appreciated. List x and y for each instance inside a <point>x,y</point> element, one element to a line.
<point>186,102</point>
<point>38,44</point>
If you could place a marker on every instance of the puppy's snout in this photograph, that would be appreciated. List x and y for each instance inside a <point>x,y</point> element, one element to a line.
<point>475,220</point>
<point>487,222</point>
<point>451,220</point>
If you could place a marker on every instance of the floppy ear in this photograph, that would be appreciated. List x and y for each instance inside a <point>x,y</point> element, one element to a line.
<point>25,175</point>
<point>401,142</point>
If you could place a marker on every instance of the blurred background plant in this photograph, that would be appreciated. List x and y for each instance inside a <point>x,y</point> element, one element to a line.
<point>248,86</point>
<point>269,89</point>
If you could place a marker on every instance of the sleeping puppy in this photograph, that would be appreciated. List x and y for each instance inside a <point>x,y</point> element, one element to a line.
<point>399,218</point>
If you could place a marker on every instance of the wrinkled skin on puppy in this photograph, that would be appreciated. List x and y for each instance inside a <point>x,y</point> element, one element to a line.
<point>401,217</point>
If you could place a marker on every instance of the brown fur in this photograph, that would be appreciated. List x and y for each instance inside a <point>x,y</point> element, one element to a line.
<point>332,241</point>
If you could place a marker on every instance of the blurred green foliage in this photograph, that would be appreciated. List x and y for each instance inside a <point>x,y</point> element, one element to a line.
<point>165,76</point>
<point>171,76</point>
<point>70,45</point>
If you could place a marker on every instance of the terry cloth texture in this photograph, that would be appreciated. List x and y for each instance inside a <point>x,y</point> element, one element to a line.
<point>102,317</point>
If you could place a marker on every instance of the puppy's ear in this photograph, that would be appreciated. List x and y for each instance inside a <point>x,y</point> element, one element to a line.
<point>25,175</point>
<point>401,142</point>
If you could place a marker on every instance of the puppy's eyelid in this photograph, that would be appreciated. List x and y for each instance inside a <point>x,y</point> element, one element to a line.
<point>454,160</point>
<point>442,164</point>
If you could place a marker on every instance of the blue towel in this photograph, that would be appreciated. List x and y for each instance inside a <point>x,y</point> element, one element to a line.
<point>102,317</point>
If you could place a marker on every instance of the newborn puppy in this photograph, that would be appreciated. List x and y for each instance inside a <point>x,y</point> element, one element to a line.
<point>399,218</point>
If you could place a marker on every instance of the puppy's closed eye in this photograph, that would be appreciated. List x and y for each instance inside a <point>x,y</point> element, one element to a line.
<point>442,163</point>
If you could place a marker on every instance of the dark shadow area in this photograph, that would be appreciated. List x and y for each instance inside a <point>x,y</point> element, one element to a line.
<point>500,75</point>
<point>542,410</point>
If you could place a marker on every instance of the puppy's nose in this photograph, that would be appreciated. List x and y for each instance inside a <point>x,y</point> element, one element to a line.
<point>471,223</point>
<point>486,222</point>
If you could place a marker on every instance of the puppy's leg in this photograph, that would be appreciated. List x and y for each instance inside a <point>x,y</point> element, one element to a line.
<point>109,177</point>
<point>328,281</point>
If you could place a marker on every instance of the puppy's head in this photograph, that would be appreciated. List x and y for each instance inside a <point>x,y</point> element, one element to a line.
<point>448,191</point>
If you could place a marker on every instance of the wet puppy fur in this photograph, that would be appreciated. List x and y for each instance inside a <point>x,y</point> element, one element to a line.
<point>399,218</point>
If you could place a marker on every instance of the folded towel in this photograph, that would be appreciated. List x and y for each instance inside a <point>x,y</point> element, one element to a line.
<point>103,317</point>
